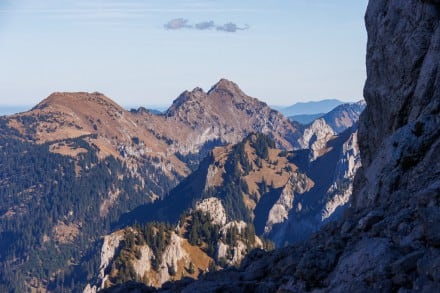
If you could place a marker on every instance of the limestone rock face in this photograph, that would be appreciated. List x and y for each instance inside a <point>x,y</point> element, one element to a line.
<point>315,138</point>
<point>111,243</point>
<point>214,208</point>
<point>348,164</point>
<point>399,143</point>
<point>280,210</point>
<point>316,135</point>
<point>301,211</point>
<point>234,254</point>
<point>402,84</point>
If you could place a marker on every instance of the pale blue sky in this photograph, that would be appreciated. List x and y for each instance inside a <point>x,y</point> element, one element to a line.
<point>283,51</point>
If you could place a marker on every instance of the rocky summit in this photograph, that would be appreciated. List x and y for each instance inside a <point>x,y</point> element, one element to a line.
<point>389,241</point>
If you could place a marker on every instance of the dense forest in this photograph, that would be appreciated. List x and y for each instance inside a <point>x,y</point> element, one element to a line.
<point>51,215</point>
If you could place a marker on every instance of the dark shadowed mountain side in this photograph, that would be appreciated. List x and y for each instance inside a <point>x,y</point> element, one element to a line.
<point>178,200</point>
<point>309,108</point>
<point>389,240</point>
<point>332,174</point>
<point>53,210</point>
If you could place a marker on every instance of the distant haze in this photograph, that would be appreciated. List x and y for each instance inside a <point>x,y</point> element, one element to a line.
<point>8,110</point>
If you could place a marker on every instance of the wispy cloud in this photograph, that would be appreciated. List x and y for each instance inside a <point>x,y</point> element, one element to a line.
<point>180,23</point>
<point>231,27</point>
<point>176,24</point>
<point>205,25</point>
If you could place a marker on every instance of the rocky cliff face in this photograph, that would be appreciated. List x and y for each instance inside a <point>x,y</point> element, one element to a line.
<point>318,133</point>
<point>399,128</point>
<point>331,168</point>
<point>389,240</point>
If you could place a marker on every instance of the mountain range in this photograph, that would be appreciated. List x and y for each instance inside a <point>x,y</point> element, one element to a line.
<point>220,146</point>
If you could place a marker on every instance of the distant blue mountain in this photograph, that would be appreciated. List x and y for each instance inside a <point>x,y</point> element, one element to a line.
<point>155,109</point>
<point>306,118</point>
<point>8,110</point>
<point>339,119</point>
<point>307,108</point>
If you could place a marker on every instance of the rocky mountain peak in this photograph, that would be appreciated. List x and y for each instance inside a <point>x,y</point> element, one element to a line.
<point>227,86</point>
<point>227,114</point>
<point>222,91</point>
<point>194,95</point>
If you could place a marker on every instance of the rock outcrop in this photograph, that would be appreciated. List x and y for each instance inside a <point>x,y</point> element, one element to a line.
<point>214,208</point>
<point>389,240</point>
<point>158,253</point>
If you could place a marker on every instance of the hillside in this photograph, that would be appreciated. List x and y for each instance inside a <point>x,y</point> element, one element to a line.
<point>240,175</point>
<point>283,196</point>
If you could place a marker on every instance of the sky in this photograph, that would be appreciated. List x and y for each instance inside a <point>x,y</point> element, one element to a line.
<point>145,53</point>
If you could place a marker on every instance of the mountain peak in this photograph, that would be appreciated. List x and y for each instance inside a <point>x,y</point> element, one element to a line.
<point>227,86</point>
<point>76,100</point>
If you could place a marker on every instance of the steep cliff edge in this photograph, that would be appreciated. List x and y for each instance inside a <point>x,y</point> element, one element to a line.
<point>389,241</point>
<point>399,129</point>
